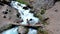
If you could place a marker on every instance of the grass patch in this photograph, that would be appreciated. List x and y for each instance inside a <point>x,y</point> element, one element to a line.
<point>22,1</point>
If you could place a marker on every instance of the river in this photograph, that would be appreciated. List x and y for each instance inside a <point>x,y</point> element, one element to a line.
<point>25,16</point>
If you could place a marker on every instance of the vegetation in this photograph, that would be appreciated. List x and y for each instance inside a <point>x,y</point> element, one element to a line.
<point>38,15</point>
<point>42,11</point>
<point>42,31</point>
<point>22,1</point>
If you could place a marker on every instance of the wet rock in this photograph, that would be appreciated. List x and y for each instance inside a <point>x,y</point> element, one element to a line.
<point>4,12</point>
<point>22,30</point>
<point>4,16</point>
<point>1,4</point>
<point>5,2</point>
<point>26,8</point>
<point>30,6</point>
<point>18,15</point>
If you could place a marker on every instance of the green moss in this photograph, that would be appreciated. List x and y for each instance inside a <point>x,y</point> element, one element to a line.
<point>38,15</point>
<point>41,18</point>
<point>42,11</point>
<point>22,1</point>
<point>42,31</point>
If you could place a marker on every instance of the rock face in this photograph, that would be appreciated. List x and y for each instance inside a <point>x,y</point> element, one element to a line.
<point>7,16</point>
<point>5,2</point>
<point>41,3</point>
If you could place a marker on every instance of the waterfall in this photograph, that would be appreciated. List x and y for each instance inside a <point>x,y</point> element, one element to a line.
<point>11,31</point>
<point>32,31</point>
<point>25,15</point>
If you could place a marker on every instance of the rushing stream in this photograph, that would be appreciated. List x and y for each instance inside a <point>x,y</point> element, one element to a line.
<point>24,13</point>
<point>11,31</point>
<point>25,16</point>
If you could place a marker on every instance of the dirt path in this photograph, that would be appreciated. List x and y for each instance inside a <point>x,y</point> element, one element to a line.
<point>54,21</point>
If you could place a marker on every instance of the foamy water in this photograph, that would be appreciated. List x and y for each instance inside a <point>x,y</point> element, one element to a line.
<point>25,15</point>
<point>11,31</point>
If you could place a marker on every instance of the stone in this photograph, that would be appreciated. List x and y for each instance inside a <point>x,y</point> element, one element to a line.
<point>22,30</point>
<point>8,18</point>
<point>46,4</point>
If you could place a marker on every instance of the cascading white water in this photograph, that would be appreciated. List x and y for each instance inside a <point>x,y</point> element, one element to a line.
<point>11,31</point>
<point>32,31</point>
<point>15,31</point>
<point>25,15</point>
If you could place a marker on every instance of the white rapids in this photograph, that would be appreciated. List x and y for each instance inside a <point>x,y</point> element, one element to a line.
<point>11,31</point>
<point>25,15</point>
<point>32,31</point>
